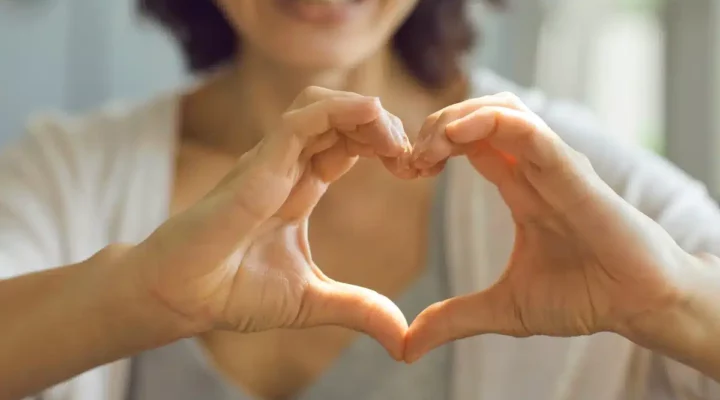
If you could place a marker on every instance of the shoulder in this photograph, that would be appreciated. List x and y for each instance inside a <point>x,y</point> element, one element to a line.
<point>72,147</point>
<point>67,177</point>
<point>109,129</point>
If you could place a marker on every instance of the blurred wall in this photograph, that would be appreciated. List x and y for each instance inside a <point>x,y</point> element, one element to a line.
<point>33,59</point>
<point>77,54</point>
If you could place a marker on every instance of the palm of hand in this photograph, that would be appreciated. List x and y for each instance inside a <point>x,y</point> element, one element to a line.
<point>561,281</point>
<point>276,282</point>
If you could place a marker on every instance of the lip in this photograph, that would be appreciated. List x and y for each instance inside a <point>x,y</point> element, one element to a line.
<point>321,12</point>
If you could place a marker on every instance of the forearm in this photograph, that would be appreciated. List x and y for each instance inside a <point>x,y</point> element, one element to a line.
<point>689,332</point>
<point>59,323</point>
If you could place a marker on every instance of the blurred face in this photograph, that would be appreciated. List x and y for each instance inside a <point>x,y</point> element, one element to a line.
<point>317,34</point>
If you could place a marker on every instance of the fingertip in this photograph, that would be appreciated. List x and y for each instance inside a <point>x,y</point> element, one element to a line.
<point>422,335</point>
<point>400,166</point>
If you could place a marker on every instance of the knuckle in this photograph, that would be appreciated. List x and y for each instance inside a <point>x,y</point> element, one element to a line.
<point>311,92</point>
<point>507,95</point>
<point>511,99</point>
<point>289,122</point>
<point>308,95</point>
<point>434,117</point>
<point>443,118</point>
<point>582,160</point>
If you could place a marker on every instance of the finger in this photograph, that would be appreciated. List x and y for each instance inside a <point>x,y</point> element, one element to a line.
<point>382,134</point>
<point>434,170</point>
<point>517,192</point>
<point>320,144</point>
<point>278,152</point>
<point>377,130</point>
<point>358,149</point>
<point>435,148</point>
<point>401,166</point>
<point>346,113</point>
<point>360,309</point>
<point>490,163</point>
<point>459,110</point>
<point>520,134</point>
<point>334,162</point>
<point>458,318</point>
<point>559,174</point>
<point>368,141</point>
<point>391,140</point>
<point>432,145</point>
<point>263,178</point>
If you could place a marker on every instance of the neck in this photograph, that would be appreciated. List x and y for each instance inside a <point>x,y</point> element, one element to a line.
<point>237,106</point>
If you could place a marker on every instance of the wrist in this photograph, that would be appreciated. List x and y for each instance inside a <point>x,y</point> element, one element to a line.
<point>687,328</point>
<point>124,298</point>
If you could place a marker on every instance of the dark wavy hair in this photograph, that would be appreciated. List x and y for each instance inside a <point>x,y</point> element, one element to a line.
<point>431,42</point>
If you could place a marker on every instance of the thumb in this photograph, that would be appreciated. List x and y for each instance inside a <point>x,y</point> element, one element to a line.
<point>360,309</point>
<point>461,317</point>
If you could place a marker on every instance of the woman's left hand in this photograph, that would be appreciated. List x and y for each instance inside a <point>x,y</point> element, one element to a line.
<point>584,260</point>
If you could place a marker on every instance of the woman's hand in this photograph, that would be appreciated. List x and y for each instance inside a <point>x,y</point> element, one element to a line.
<point>584,260</point>
<point>240,258</point>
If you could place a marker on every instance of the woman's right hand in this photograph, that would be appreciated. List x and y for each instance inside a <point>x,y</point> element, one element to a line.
<point>240,259</point>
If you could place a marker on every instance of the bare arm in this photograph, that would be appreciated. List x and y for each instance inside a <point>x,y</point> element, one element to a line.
<point>688,332</point>
<point>88,314</point>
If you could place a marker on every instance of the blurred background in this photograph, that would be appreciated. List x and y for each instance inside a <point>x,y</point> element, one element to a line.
<point>649,68</point>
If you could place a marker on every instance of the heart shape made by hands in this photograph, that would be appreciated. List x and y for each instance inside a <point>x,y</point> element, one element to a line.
<point>565,276</point>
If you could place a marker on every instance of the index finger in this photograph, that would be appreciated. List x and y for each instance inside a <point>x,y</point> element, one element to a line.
<point>520,134</point>
<point>280,150</point>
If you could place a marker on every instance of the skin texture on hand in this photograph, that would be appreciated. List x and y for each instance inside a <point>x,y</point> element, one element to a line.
<point>584,260</point>
<point>240,259</point>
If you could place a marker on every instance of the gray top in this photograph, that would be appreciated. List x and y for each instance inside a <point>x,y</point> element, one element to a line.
<point>364,371</point>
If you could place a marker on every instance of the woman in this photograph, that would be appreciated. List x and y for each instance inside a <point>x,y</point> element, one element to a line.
<point>114,177</point>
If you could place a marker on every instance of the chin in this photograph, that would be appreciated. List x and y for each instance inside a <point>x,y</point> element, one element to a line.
<point>326,54</point>
<point>317,33</point>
